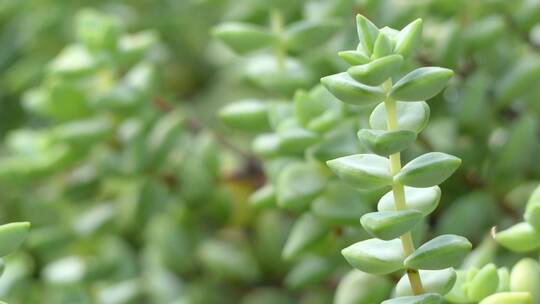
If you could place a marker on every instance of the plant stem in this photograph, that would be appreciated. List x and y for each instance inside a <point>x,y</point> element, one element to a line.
<point>276,19</point>
<point>399,189</point>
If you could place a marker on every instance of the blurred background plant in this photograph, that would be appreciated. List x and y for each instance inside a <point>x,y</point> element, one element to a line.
<point>138,193</point>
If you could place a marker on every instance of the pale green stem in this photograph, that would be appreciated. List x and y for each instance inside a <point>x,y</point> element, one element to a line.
<point>399,190</point>
<point>276,19</point>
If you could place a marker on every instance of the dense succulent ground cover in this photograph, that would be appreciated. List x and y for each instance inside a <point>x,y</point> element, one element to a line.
<point>305,151</point>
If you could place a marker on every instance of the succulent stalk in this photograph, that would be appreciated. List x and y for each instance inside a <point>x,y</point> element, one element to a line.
<point>399,189</point>
<point>277,23</point>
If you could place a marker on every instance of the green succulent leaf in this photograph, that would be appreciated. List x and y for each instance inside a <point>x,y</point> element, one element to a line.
<point>367,32</point>
<point>228,260</point>
<point>266,145</point>
<point>532,212</point>
<point>421,84</point>
<point>412,116</point>
<point>264,197</point>
<point>483,284</point>
<point>246,115</point>
<point>374,288</point>
<point>458,293</point>
<point>508,298</point>
<point>521,237</point>
<point>375,256</point>
<point>244,37</point>
<point>441,252</point>
<point>383,46</point>
<point>377,71</point>
<point>525,277</point>
<point>433,281</point>
<point>353,57</point>
<point>12,235</point>
<point>265,72</point>
<point>362,171</point>
<point>409,38</point>
<point>294,139</point>
<point>97,31</point>
<point>336,143</point>
<point>340,204</point>
<point>307,34</point>
<point>516,81</point>
<point>428,170</point>
<point>317,110</point>
<point>429,298</point>
<point>82,133</point>
<point>350,91</point>
<point>386,142</point>
<point>307,231</point>
<point>387,225</point>
<point>298,184</point>
<point>74,61</point>
<point>504,279</point>
<point>424,200</point>
<point>310,270</point>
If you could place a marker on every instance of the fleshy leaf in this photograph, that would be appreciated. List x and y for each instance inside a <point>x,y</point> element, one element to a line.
<point>483,284</point>
<point>409,38</point>
<point>298,184</point>
<point>387,225</point>
<point>441,252</point>
<point>11,236</point>
<point>264,197</point>
<point>428,170</point>
<point>525,277</point>
<point>521,237</point>
<point>374,289</point>
<point>294,139</point>
<point>354,57</point>
<point>246,115</point>
<point>436,281</point>
<point>362,171</point>
<point>421,84</point>
<point>508,298</point>
<point>377,71</point>
<point>307,230</point>
<point>386,142</point>
<point>310,270</point>
<point>428,298</point>
<point>375,256</point>
<point>244,37</point>
<point>383,46</point>
<point>350,91</point>
<point>367,32</point>
<point>424,200</point>
<point>340,204</point>
<point>532,213</point>
<point>308,34</point>
<point>413,116</point>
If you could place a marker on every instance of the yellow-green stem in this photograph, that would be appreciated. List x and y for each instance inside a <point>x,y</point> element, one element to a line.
<point>399,190</point>
<point>276,19</point>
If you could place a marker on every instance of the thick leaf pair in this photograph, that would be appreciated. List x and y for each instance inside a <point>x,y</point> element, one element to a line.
<point>491,285</point>
<point>382,257</point>
<point>245,38</point>
<point>420,84</point>
<point>389,223</point>
<point>377,43</point>
<point>368,171</point>
<point>474,285</point>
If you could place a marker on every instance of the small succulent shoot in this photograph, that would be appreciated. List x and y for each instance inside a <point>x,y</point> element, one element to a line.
<point>400,113</point>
